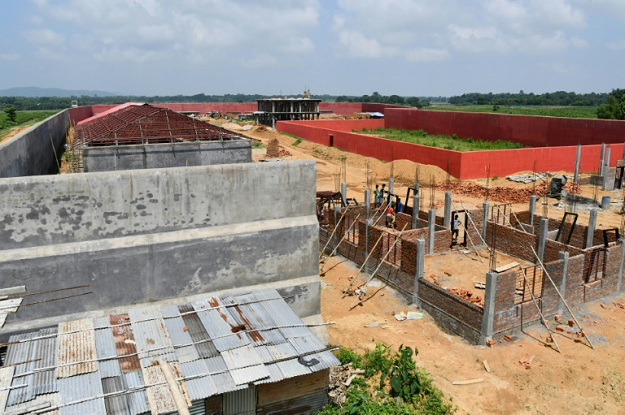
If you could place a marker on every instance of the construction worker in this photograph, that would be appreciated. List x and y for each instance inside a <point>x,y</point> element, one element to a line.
<point>455,229</point>
<point>376,194</point>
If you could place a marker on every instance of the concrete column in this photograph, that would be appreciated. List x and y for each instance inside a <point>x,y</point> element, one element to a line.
<point>578,157</point>
<point>367,202</point>
<point>488,317</point>
<point>415,211</point>
<point>447,214</point>
<point>592,224</point>
<point>419,269</point>
<point>431,224</point>
<point>619,284</point>
<point>565,270</point>
<point>391,185</point>
<point>336,236</point>
<point>542,237</point>
<point>532,209</point>
<point>606,169</point>
<point>368,222</point>
<point>601,159</point>
<point>344,191</point>
<point>486,208</point>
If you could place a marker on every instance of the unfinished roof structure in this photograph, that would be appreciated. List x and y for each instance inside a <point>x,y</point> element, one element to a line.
<point>136,130</point>
<point>142,124</point>
<point>119,364</point>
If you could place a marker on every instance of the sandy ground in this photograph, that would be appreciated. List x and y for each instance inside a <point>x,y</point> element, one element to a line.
<point>14,131</point>
<point>579,380</point>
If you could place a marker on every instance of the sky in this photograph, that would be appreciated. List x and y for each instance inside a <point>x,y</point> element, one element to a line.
<point>336,47</point>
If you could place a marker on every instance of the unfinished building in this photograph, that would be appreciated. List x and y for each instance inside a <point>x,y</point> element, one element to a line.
<point>140,136</point>
<point>530,267</point>
<point>286,109</point>
<point>158,289</point>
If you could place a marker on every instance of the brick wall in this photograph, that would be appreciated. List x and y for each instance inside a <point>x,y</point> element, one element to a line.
<point>553,249</point>
<point>452,313</point>
<point>512,241</point>
<point>606,285</point>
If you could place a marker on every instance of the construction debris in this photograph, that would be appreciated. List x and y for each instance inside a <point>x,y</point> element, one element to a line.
<point>528,178</point>
<point>340,379</point>
<point>486,365</point>
<point>468,382</point>
<point>497,193</point>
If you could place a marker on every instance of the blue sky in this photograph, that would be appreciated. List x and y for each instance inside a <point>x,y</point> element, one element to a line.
<point>351,47</point>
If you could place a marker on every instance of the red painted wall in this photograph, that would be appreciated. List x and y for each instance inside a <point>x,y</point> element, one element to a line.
<point>78,114</point>
<point>532,131</point>
<point>204,107</point>
<point>463,165</point>
<point>369,107</point>
<point>342,108</point>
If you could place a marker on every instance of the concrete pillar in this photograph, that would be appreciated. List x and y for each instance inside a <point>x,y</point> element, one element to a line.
<point>606,169</point>
<point>419,269</point>
<point>391,185</point>
<point>565,270</point>
<point>344,191</point>
<point>486,208</point>
<point>336,236</point>
<point>489,307</point>
<point>592,224</point>
<point>368,222</point>
<point>447,214</point>
<point>542,238</point>
<point>532,209</point>
<point>415,211</point>
<point>431,224</point>
<point>367,202</point>
<point>601,159</point>
<point>578,157</point>
<point>619,284</point>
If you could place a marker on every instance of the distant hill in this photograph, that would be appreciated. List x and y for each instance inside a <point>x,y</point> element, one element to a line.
<point>34,91</point>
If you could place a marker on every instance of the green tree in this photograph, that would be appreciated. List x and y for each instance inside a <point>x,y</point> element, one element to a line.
<point>615,108</point>
<point>11,113</point>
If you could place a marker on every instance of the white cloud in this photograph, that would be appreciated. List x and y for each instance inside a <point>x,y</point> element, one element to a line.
<point>261,60</point>
<point>578,42</point>
<point>476,39</point>
<point>427,55</point>
<point>10,57</point>
<point>44,37</point>
<point>358,45</point>
<point>616,45</point>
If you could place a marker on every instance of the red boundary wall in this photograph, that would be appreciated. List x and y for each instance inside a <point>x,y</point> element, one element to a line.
<point>533,131</point>
<point>463,165</point>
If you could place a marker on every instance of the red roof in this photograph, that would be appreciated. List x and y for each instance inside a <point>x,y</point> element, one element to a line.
<point>134,123</point>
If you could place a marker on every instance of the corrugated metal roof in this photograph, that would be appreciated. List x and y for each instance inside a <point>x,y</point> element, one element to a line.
<point>51,399</point>
<point>6,375</point>
<point>224,346</point>
<point>76,348</point>
<point>81,388</point>
<point>201,384</point>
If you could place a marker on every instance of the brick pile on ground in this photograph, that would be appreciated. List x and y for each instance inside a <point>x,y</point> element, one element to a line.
<point>497,193</point>
<point>273,148</point>
<point>460,292</point>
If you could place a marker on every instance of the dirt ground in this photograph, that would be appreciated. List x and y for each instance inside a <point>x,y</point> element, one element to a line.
<point>579,380</point>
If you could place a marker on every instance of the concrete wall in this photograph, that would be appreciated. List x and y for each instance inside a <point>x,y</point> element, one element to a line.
<point>31,152</point>
<point>155,156</point>
<point>146,235</point>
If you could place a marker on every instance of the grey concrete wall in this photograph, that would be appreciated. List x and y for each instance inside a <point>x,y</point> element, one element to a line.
<point>31,152</point>
<point>148,235</point>
<point>45,210</point>
<point>155,156</point>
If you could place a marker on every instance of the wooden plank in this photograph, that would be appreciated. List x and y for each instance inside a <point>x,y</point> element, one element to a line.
<point>507,267</point>
<point>6,377</point>
<point>13,290</point>
<point>10,306</point>
<point>486,366</point>
<point>3,318</point>
<point>468,382</point>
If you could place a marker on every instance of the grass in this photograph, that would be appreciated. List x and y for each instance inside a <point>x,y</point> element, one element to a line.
<point>547,111</point>
<point>23,118</point>
<point>440,141</point>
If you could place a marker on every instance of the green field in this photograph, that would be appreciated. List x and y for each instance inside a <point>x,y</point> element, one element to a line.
<point>547,111</point>
<point>23,118</point>
<point>441,141</point>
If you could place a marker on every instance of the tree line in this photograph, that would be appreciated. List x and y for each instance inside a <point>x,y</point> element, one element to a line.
<point>548,98</point>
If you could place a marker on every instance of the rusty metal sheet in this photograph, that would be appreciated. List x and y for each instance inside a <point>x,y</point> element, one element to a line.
<point>124,342</point>
<point>76,352</point>
<point>159,396</point>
